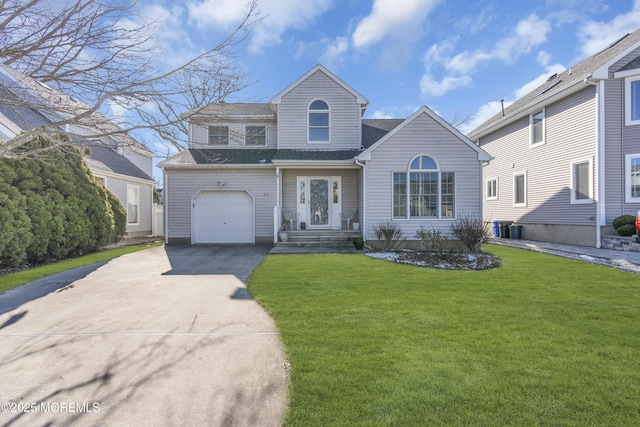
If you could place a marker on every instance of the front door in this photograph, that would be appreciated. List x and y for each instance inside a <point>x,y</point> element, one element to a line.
<point>320,201</point>
<point>319,212</point>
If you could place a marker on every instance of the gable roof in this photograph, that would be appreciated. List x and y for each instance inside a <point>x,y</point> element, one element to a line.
<point>482,155</point>
<point>563,84</point>
<point>360,99</point>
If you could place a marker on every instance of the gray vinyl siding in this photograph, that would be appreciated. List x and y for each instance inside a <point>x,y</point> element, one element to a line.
<point>345,115</point>
<point>613,156</point>
<point>422,136</point>
<point>349,185</point>
<point>200,135</point>
<point>118,187</point>
<point>145,163</point>
<point>182,185</point>
<point>570,135</point>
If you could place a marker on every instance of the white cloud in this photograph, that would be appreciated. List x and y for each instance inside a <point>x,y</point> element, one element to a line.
<point>528,33</point>
<point>277,16</point>
<point>596,36</point>
<point>528,87</point>
<point>485,112</point>
<point>333,51</point>
<point>391,18</point>
<point>393,112</point>
<point>430,86</point>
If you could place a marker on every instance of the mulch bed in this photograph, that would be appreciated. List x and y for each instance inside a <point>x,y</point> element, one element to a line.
<point>442,260</point>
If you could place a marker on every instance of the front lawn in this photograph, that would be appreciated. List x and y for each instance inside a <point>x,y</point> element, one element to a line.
<point>541,340</point>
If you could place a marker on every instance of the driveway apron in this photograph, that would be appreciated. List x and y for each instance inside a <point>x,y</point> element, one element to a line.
<point>165,336</point>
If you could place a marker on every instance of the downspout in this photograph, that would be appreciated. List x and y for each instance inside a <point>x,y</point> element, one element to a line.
<point>364,198</point>
<point>165,211</point>
<point>276,220</point>
<point>599,184</point>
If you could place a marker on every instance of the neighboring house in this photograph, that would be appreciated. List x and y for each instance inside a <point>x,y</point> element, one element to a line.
<point>121,163</point>
<point>566,157</point>
<point>307,160</point>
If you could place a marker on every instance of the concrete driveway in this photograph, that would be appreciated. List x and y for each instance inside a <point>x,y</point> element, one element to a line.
<point>166,336</point>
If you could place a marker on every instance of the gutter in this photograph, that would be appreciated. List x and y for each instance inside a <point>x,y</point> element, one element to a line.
<point>364,197</point>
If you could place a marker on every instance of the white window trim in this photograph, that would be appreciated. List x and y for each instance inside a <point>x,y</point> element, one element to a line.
<point>518,205</point>
<point>486,186</point>
<point>544,128</point>
<point>627,101</point>
<point>328,111</point>
<point>246,134</point>
<point>439,171</point>
<point>627,178</point>
<point>217,144</point>
<point>137,188</point>
<point>573,185</point>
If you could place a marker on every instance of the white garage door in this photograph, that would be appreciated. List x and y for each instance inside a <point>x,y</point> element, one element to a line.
<point>223,217</point>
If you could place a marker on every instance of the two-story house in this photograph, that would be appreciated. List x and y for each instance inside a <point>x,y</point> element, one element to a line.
<point>566,157</point>
<point>307,160</point>
<point>121,163</point>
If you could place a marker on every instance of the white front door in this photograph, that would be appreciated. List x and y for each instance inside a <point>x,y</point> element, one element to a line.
<point>320,201</point>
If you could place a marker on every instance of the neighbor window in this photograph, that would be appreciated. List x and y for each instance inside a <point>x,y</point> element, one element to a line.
<point>423,191</point>
<point>133,204</point>
<point>319,121</point>
<point>536,121</point>
<point>632,100</point>
<point>492,189</point>
<point>255,135</point>
<point>218,135</point>
<point>632,178</point>
<point>520,189</point>
<point>581,183</point>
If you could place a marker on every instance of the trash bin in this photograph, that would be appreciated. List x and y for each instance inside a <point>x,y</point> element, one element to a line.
<point>515,231</point>
<point>496,229</point>
<point>504,230</point>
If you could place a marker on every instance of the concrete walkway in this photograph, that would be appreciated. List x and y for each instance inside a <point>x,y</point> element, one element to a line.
<point>158,337</point>
<point>628,261</point>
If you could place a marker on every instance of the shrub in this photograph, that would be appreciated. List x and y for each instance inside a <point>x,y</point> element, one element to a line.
<point>472,230</point>
<point>623,220</point>
<point>53,209</point>
<point>432,240</point>
<point>626,230</point>
<point>389,235</point>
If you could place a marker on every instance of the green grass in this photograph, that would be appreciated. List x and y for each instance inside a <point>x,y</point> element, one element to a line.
<point>540,341</point>
<point>13,280</point>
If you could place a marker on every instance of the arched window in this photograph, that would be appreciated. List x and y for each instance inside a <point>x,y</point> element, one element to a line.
<point>319,120</point>
<point>423,190</point>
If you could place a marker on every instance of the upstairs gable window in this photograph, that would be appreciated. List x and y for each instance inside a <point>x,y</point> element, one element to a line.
<point>319,122</point>
<point>218,135</point>
<point>255,135</point>
<point>536,122</point>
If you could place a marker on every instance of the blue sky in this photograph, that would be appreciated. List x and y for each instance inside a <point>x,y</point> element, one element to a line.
<point>454,56</point>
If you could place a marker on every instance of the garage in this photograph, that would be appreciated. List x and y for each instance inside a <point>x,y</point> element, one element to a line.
<point>223,217</point>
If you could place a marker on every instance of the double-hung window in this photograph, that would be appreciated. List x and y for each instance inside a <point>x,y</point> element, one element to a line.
<point>632,100</point>
<point>581,182</point>
<point>536,124</point>
<point>423,191</point>
<point>255,135</point>
<point>319,122</point>
<point>492,189</point>
<point>133,204</point>
<point>520,189</point>
<point>218,135</point>
<point>632,178</point>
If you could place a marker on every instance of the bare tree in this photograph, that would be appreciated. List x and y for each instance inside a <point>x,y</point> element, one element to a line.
<point>460,120</point>
<point>74,61</point>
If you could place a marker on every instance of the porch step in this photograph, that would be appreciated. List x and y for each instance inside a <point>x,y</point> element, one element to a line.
<point>327,238</point>
<point>620,243</point>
